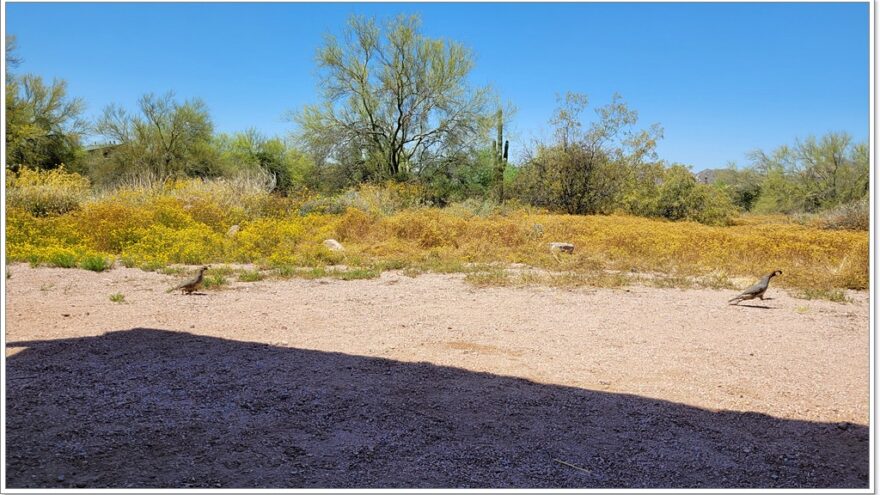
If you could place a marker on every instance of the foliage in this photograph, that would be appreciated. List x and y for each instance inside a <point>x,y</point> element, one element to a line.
<point>395,100</point>
<point>168,139</point>
<point>459,177</point>
<point>45,192</point>
<point>250,276</point>
<point>680,197</point>
<point>742,186</point>
<point>95,263</point>
<point>585,171</point>
<point>288,167</point>
<point>855,215</point>
<point>812,175</point>
<point>43,124</point>
<point>155,228</point>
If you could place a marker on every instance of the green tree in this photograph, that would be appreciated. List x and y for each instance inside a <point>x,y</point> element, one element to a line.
<point>812,175</point>
<point>680,197</point>
<point>43,124</point>
<point>246,150</point>
<point>166,139</point>
<point>459,177</point>
<point>586,170</point>
<point>742,186</point>
<point>395,100</point>
<point>833,170</point>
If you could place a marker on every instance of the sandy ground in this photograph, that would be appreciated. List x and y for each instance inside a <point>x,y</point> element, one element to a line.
<point>427,382</point>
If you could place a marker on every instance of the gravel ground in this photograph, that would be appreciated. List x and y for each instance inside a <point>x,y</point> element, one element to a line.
<point>427,382</point>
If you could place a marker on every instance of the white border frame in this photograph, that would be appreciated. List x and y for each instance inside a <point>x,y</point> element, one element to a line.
<point>872,293</point>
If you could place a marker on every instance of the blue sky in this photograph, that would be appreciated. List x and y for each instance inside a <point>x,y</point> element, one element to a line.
<point>722,79</point>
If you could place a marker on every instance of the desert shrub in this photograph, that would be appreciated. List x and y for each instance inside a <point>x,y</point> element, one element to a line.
<point>46,192</point>
<point>354,225</point>
<point>112,226</point>
<point>428,227</point>
<point>95,262</point>
<point>250,276</point>
<point>215,281</point>
<point>680,197</point>
<point>185,222</point>
<point>60,257</point>
<point>261,238</point>
<point>851,216</point>
<point>63,257</point>
<point>160,245</point>
<point>379,199</point>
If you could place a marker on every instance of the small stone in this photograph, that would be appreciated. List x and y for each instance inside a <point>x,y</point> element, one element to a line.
<point>232,231</point>
<point>60,477</point>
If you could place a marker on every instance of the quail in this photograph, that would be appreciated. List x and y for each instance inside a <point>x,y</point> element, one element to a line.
<point>192,284</point>
<point>756,290</point>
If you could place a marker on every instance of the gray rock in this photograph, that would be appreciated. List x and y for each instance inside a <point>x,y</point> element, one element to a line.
<point>333,245</point>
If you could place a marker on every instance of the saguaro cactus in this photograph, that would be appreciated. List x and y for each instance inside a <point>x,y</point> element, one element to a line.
<point>499,157</point>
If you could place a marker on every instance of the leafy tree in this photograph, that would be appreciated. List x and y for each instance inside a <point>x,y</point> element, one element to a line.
<point>813,175</point>
<point>395,101</point>
<point>460,177</point>
<point>585,171</point>
<point>833,169</point>
<point>251,150</point>
<point>12,58</point>
<point>167,139</point>
<point>43,124</point>
<point>682,198</point>
<point>742,186</point>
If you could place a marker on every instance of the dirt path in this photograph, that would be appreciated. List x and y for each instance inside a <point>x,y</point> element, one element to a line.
<point>427,382</point>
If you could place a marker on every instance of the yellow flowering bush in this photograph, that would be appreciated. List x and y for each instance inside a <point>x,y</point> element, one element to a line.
<point>160,245</point>
<point>45,192</point>
<point>187,222</point>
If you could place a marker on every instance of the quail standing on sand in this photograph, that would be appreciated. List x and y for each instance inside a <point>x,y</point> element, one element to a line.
<point>192,284</point>
<point>756,290</point>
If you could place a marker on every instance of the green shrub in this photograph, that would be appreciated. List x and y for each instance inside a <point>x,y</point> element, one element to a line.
<point>215,281</point>
<point>355,274</point>
<point>95,263</point>
<point>62,258</point>
<point>250,276</point>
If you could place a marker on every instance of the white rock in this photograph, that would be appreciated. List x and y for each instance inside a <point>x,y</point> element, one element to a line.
<point>232,231</point>
<point>333,245</point>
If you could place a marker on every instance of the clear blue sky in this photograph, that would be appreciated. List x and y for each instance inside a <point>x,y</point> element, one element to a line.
<point>722,79</point>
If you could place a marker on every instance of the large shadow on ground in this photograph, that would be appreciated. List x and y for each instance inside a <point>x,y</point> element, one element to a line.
<point>154,408</point>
